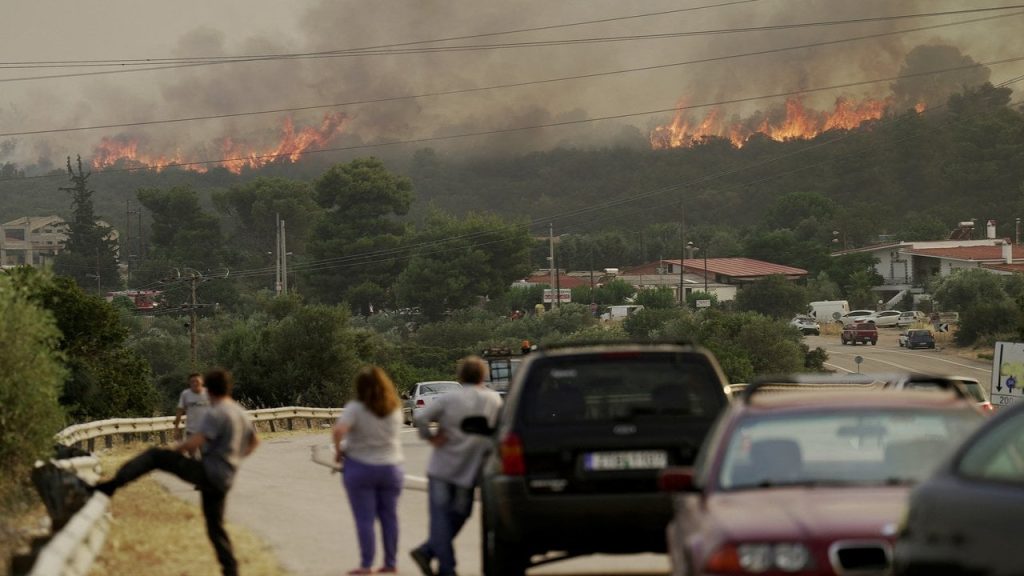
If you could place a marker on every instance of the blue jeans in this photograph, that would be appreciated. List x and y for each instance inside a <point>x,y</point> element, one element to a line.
<point>450,506</point>
<point>373,492</point>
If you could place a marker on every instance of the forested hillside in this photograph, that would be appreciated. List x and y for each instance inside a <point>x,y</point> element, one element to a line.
<point>909,176</point>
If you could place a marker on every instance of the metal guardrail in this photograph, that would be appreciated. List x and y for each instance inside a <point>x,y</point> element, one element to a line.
<point>72,550</point>
<point>90,431</point>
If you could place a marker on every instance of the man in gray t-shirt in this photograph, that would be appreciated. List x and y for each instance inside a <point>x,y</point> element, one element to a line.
<point>192,404</point>
<point>226,436</point>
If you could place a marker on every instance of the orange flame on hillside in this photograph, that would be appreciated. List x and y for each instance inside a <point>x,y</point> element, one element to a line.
<point>235,155</point>
<point>794,121</point>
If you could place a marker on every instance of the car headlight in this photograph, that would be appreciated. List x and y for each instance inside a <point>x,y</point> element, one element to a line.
<point>755,557</point>
<point>791,557</point>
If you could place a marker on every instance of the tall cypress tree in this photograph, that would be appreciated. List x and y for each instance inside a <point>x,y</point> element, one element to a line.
<point>90,252</point>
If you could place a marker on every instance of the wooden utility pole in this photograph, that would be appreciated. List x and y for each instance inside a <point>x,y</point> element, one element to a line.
<point>192,320</point>
<point>551,260</point>
<point>682,249</point>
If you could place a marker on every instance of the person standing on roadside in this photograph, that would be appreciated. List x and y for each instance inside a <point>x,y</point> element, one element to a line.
<point>226,436</point>
<point>192,404</point>
<point>366,437</point>
<point>454,468</point>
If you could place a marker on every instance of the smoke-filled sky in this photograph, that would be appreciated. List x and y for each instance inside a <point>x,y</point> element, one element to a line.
<point>48,32</point>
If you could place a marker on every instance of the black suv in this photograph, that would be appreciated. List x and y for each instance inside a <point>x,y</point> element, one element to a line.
<point>581,439</point>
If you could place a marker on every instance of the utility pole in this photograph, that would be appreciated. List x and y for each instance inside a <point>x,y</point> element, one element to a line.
<point>284,261</point>
<point>551,259</point>
<point>682,247</point>
<point>277,255</point>
<point>192,322</point>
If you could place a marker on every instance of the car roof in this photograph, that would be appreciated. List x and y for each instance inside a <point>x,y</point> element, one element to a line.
<point>839,399</point>
<point>571,349</point>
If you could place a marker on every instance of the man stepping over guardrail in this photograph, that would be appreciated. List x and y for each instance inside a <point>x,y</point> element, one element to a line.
<point>225,436</point>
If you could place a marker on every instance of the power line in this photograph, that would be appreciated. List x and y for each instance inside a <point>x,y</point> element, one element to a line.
<point>503,85</point>
<point>803,91</point>
<point>408,252</point>
<point>360,52</point>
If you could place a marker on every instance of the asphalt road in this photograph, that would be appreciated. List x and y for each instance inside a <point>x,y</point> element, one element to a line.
<point>300,509</point>
<point>888,356</point>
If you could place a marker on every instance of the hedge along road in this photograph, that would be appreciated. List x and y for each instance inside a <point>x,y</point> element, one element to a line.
<point>888,356</point>
<point>300,509</point>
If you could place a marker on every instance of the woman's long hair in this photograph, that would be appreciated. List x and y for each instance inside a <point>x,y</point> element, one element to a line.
<point>376,391</point>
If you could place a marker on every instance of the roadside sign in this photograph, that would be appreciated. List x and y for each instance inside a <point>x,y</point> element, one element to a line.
<point>703,303</point>
<point>1007,373</point>
<point>944,327</point>
<point>564,295</point>
<point>859,360</point>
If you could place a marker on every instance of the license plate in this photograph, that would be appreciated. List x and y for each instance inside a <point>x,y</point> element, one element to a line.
<point>626,460</point>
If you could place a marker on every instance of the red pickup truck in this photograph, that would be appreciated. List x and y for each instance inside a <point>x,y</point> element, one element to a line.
<point>862,332</point>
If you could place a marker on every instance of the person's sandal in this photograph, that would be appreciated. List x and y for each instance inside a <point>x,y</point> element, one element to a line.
<point>386,570</point>
<point>359,572</point>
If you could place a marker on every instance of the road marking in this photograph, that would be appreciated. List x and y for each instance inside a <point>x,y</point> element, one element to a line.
<point>960,364</point>
<point>839,367</point>
<point>900,366</point>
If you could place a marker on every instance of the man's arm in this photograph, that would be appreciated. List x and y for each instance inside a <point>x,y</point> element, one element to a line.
<point>254,441</point>
<point>193,442</point>
<point>428,414</point>
<point>177,420</point>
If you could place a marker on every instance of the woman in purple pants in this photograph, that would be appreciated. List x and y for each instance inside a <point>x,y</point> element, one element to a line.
<point>366,434</point>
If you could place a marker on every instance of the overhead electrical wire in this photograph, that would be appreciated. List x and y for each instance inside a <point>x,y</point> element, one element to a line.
<point>270,157</point>
<point>360,52</point>
<point>503,85</point>
<point>408,252</point>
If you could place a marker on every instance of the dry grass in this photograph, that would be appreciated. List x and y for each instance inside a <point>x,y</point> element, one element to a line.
<point>157,534</point>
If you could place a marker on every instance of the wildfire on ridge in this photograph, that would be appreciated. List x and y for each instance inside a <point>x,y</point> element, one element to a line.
<point>236,155</point>
<point>794,121</point>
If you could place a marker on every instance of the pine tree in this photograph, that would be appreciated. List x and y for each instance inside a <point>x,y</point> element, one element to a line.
<point>90,252</point>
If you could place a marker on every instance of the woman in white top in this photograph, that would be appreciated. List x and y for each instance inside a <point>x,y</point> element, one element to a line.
<point>366,434</point>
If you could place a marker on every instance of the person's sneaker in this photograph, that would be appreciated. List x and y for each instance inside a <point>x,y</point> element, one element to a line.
<point>386,570</point>
<point>422,560</point>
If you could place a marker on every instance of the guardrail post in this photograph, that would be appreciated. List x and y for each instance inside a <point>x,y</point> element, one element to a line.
<point>163,437</point>
<point>273,428</point>
<point>91,445</point>
<point>309,423</point>
<point>126,438</point>
<point>290,421</point>
<point>108,440</point>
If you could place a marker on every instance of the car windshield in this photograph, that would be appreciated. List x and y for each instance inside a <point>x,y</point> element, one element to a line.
<point>622,387</point>
<point>843,447</point>
<point>438,387</point>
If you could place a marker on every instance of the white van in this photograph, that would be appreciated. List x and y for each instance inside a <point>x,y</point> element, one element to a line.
<point>828,310</point>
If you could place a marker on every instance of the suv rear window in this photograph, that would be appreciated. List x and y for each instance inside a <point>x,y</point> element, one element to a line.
<point>620,387</point>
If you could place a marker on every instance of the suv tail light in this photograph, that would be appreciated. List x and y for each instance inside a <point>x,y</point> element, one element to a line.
<point>511,449</point>
<point>420,402</point>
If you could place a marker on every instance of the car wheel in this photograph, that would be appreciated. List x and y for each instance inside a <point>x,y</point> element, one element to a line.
<point>499,556</point>
<point>874,342</point>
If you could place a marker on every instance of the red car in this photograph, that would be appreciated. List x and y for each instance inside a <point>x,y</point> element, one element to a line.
<point>808,482</point>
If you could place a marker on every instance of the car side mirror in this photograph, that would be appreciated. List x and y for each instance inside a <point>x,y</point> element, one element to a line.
<point>476,425</point>
<point>677,479</point>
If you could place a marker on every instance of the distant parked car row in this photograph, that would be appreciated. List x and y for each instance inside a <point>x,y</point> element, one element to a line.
<point>884,318</point>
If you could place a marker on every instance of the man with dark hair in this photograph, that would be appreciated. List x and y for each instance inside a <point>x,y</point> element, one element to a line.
<point>454,467</point>
<point>224,436</point>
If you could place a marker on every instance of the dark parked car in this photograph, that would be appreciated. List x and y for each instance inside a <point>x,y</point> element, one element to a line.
<point>808,482</point>
<point>583,434</point>
<point>863,332</point>
<point>966,518</point>
<point>917,338</point>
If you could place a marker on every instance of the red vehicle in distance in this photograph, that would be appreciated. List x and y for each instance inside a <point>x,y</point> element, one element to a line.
<point>798,482</point>
<point>863,332</point>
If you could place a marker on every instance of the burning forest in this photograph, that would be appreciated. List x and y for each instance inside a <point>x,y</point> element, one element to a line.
<point>792,121</point>
<point>232,153</point>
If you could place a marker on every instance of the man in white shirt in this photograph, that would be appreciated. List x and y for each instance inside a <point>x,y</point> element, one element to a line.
<point>454,467</point>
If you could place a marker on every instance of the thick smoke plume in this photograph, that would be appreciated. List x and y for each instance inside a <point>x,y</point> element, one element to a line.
<point>331,25</point>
